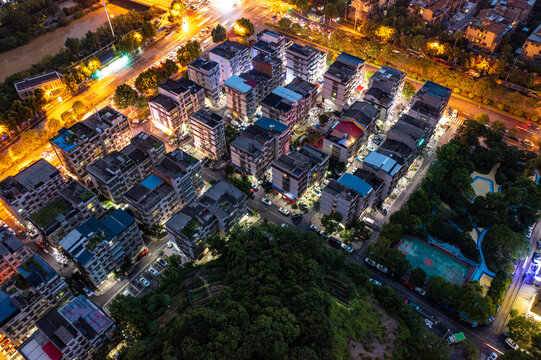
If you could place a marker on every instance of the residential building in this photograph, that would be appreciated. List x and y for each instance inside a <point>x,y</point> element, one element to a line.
<point>432,11</point>
<point>13,254</point>
<point>216,212</point>
<point>30,189</point>
<point>50,83</point>
<point>93,138</point>
<point>486,34</point>
<point>364,115</point>
<point>76,331</point>
<point>384,89</point>
<point>271,44</point>
<point>430,102</point>
<point>241,96</point>
<point>271,67</point>
<point>153,201</point>
<point>175,102</point>
<point>411,131</point>
<point>293,173</point>
<point>259,145</point>
<point>388,166</point>
<point>74,204</point>
<point>28,295</point>
<point>531,50</point>
<point>342,80</point>
<point>305,62</point>
<point>99,247</point>
<point>119,171</point>
<point>291,104</point>
<point>181,171</point>
<point>362,10</point>
<point>206,73</point>
<point>208,133</point>
<point>343,141</point>
<point>232,57</point>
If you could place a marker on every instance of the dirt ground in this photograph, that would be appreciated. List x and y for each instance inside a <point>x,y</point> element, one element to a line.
<point>377,349</point>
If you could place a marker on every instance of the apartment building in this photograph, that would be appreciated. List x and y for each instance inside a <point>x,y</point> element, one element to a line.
<point>259,145</point>
<point>293,173</point>
<point>241,96</point>
<point>364,115</point>
<point>342,80</point>
<point>50,83</point>
<point>182,172</point>
<point>216,212</point>
<point>74,204</point>
<point>531,50</point>
<point>208,133</point>
<point>206,73</point>
<point>119,171</point>
<point>432,11</point>
<point>27,295</point>
<point>385,89</point>
<point>76,331</point>
<point>362,10</point>
<point>271,67</point>
<point>232,57</point>
<point>153,201</point>
<point>175,102</point>
<point>305,62</point>
<point>13,253</point>
<point>93,138</point>
<point>410,131</point>
<point>430,102</point>
<point>30,189</point>
<point>271,44</point>
<point>291,104</point>
<point>387,165</point>
<point>343,141</point>
<point>99,247</point>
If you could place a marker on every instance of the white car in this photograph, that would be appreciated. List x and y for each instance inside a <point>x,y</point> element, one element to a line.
<point>322,233</point>
<point>382,268</point>
<point>347,248</point>
<point>370,261</point>
<point>187,148</point>
<point>284,211</point>
<point>511,343</point>
<point>127,293</point>
<point>284,225</point>
<point>492,356</point>
<point>162,262</point>
<point>144,281</point>
<point>153,271</point>
<point>455,113</point>
<point>420,291</point>
<point>266,201</point>
<point>313,228</point>
<point>375,282</point>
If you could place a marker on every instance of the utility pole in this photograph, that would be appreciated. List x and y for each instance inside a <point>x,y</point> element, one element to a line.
<point>108,18</point>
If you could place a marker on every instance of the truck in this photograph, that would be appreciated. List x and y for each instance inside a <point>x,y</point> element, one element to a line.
<point>456,338</point>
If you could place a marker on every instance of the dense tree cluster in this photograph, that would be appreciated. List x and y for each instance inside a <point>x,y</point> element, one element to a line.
<point>148,80</point>
<point>280,298</point>
<point>219,34</point>
<point>189,52</point>
<point>526,333</point>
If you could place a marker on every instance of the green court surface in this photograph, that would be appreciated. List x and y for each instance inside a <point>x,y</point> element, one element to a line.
<point>434,261</point>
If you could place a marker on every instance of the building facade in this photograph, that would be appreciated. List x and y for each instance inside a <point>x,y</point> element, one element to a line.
<point>342,80</point>
<point>232,57</point>
<point>385,90</point>
<point>50,83</point>
<point>206,73</point>
<point>305,62</point>
<point>208,133</point>
<point>531,50</point>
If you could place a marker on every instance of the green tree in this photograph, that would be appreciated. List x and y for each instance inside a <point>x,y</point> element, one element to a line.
<point>244,27</point>
<point>125,96</point>
<point>408,90</point>
<point>523,330</point>
<point>189,52</point>
<point>330,10</point>
<point>130,42</point>
<point>302,5</point>
<point>323,119</point>
<point>148,29</point>
<point>177,11</point>
<point>418,277</point>
<point>358,229</point>
<point>79,108</point>
<point>284,24</point>
<point>331,222</point>
<point>470,351</point>
<point>219,34</point>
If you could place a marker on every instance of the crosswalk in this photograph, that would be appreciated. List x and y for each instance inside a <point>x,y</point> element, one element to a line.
<point>457,121</point>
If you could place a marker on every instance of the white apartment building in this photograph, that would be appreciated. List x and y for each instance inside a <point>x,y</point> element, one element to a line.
<point>206,73</point>
<point>305,62</point>
<point>342,80</point>
<point>208,133</point>
<point>232,57</point>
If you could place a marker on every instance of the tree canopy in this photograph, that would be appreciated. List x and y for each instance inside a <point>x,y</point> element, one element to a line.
<point>189,52</point>
<point>219,34</point>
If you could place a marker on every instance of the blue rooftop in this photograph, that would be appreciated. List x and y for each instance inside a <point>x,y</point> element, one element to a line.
<point>7,308</point>
<point>84,257</point>
<point>36,271</point>
<point>266,123</point>
<point>152,182</point>
<point>118,221</point>
<point>271,33</point>
<point>382,162</point>
<point>287,94</point>
<point>436,89</point>
<point>238,84</point>
<point>355,183</point>
<point>92,225</point>
<point>63,140</point>
<point>350,59</point>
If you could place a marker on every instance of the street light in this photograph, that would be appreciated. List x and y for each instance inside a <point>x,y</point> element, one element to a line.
<point>108,19</point>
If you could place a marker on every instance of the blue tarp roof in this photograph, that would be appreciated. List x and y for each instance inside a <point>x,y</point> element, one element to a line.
<point>92,225</point>
<point>7,308</point>
<point>382,162</point>
<point>118,221</point>
<point>84,257</point>
<point>238,83</point>
<point>265,123</point>
<point>152,182</point>
<point>355,183</point>
<point>61,142</point>
<point>36,271</point>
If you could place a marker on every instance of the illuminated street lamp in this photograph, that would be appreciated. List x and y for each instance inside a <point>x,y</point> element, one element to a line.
<point>108,19</point>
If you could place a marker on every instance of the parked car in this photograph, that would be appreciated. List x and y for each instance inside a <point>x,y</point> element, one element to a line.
<point>347,248</point>
<point>88,292</point>
<point>382,268</point>
<point>528,142</point>
<point>511,343</point>
<point>420,291</point>
<point>297,217</point>
<point>153,271</point>
<point>162,262</point>
<point>370,261</point>
<point>266,201</point>
<point>284,225</point>
<point>284,211</point>
<point>335,243</point>
<point>535,258</point>
<point>313,228</point>
<point>375,282</point>
<point>142,254</point>
<point>127,293</point>
<point>144,281</point>
<point>322,233</point>
<point>255,188</point>
<point>492,356</point>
